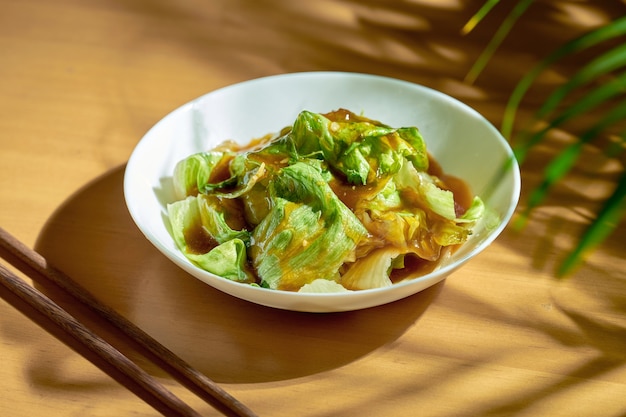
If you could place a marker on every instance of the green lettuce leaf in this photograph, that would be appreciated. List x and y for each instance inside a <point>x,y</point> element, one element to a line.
<point>244,174</point>
<point>474,213</point>
<point>308,234</point>
<point>371,271</point>
<point>193,173</point>
<point>413,214</point>
<point>201,232</point>
<point>322,286</point>
<point>361,149</point>
<point>228,260</point>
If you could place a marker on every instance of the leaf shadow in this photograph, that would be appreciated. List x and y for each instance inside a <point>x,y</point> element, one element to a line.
<point>587,317</point>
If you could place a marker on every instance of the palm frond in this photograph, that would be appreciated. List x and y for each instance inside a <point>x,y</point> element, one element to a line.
<point>479,16</point>
<point>556,111</point>
<point>604,33</point>
<point>567,158</point>
<point>608,218</point>
<point>600,66</point>
<point>498,37</point>
<point>595,98</point>
<point>617,147</point>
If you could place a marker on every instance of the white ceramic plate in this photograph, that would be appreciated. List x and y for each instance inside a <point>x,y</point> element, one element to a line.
<point>465,144</point>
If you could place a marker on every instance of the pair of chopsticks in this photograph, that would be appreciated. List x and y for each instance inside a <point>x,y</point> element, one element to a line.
<point>211,392</point>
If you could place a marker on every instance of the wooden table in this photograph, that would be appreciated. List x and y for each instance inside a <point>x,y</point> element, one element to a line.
<point>81,82</point>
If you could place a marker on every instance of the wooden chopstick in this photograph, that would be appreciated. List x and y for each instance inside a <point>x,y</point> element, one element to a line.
<point>218,398</point>
<point>92,341</point>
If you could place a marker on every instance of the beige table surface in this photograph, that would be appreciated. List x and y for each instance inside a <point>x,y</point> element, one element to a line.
<point>82,81</point>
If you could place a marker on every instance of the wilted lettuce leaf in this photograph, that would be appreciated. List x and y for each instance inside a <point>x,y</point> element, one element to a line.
<point>225,173</point>
<point>371,271</point>
<point>414,215</point>
<point>424,191</point>
<point>193,173</point>
<point>244,175</point>
<point>361,149</point>
<point>474,212</point>
<point>227,260</point>
<point>322,286</point>
<point>201,232</point>
<point>308,234</point>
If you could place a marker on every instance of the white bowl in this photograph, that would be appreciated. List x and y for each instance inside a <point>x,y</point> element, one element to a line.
<point>464,143</point>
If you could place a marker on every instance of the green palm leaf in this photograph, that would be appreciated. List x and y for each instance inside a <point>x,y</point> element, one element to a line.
<point>602,65</point>
<point>610,31</point>
<point>479,16</point>
<point>597,97</point>
<point>565,160</point>
<point>556,112</point>
<point>605,223</point>
<point>498,37</point>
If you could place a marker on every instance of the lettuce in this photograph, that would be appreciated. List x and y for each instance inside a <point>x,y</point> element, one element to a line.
<point>307,223</point>
<point>194,172</point>
<point>201,232</point>
<point>322,286</point>
<point>361,149</point>
<point>371,271</point>
<point>268,214</point>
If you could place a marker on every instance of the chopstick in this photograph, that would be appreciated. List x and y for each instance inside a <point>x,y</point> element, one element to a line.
<point>185,373</point>
<point>92,341</point>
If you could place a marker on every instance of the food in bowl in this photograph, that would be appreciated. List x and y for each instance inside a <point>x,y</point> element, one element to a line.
<point>335,202</point>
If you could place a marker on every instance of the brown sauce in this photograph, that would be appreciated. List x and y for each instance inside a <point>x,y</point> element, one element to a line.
<point>271,160</point>
<point>234,214</point>
<point>199,241</point>
<point>350,194</point>
<point>463,196</point>
<point>221,171</point>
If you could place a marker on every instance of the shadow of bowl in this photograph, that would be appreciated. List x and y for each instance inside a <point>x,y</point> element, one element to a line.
<point>92,238</point>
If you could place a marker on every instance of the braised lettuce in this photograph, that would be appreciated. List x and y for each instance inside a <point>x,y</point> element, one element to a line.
<point>308,233</point>
<point>334,202</point>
